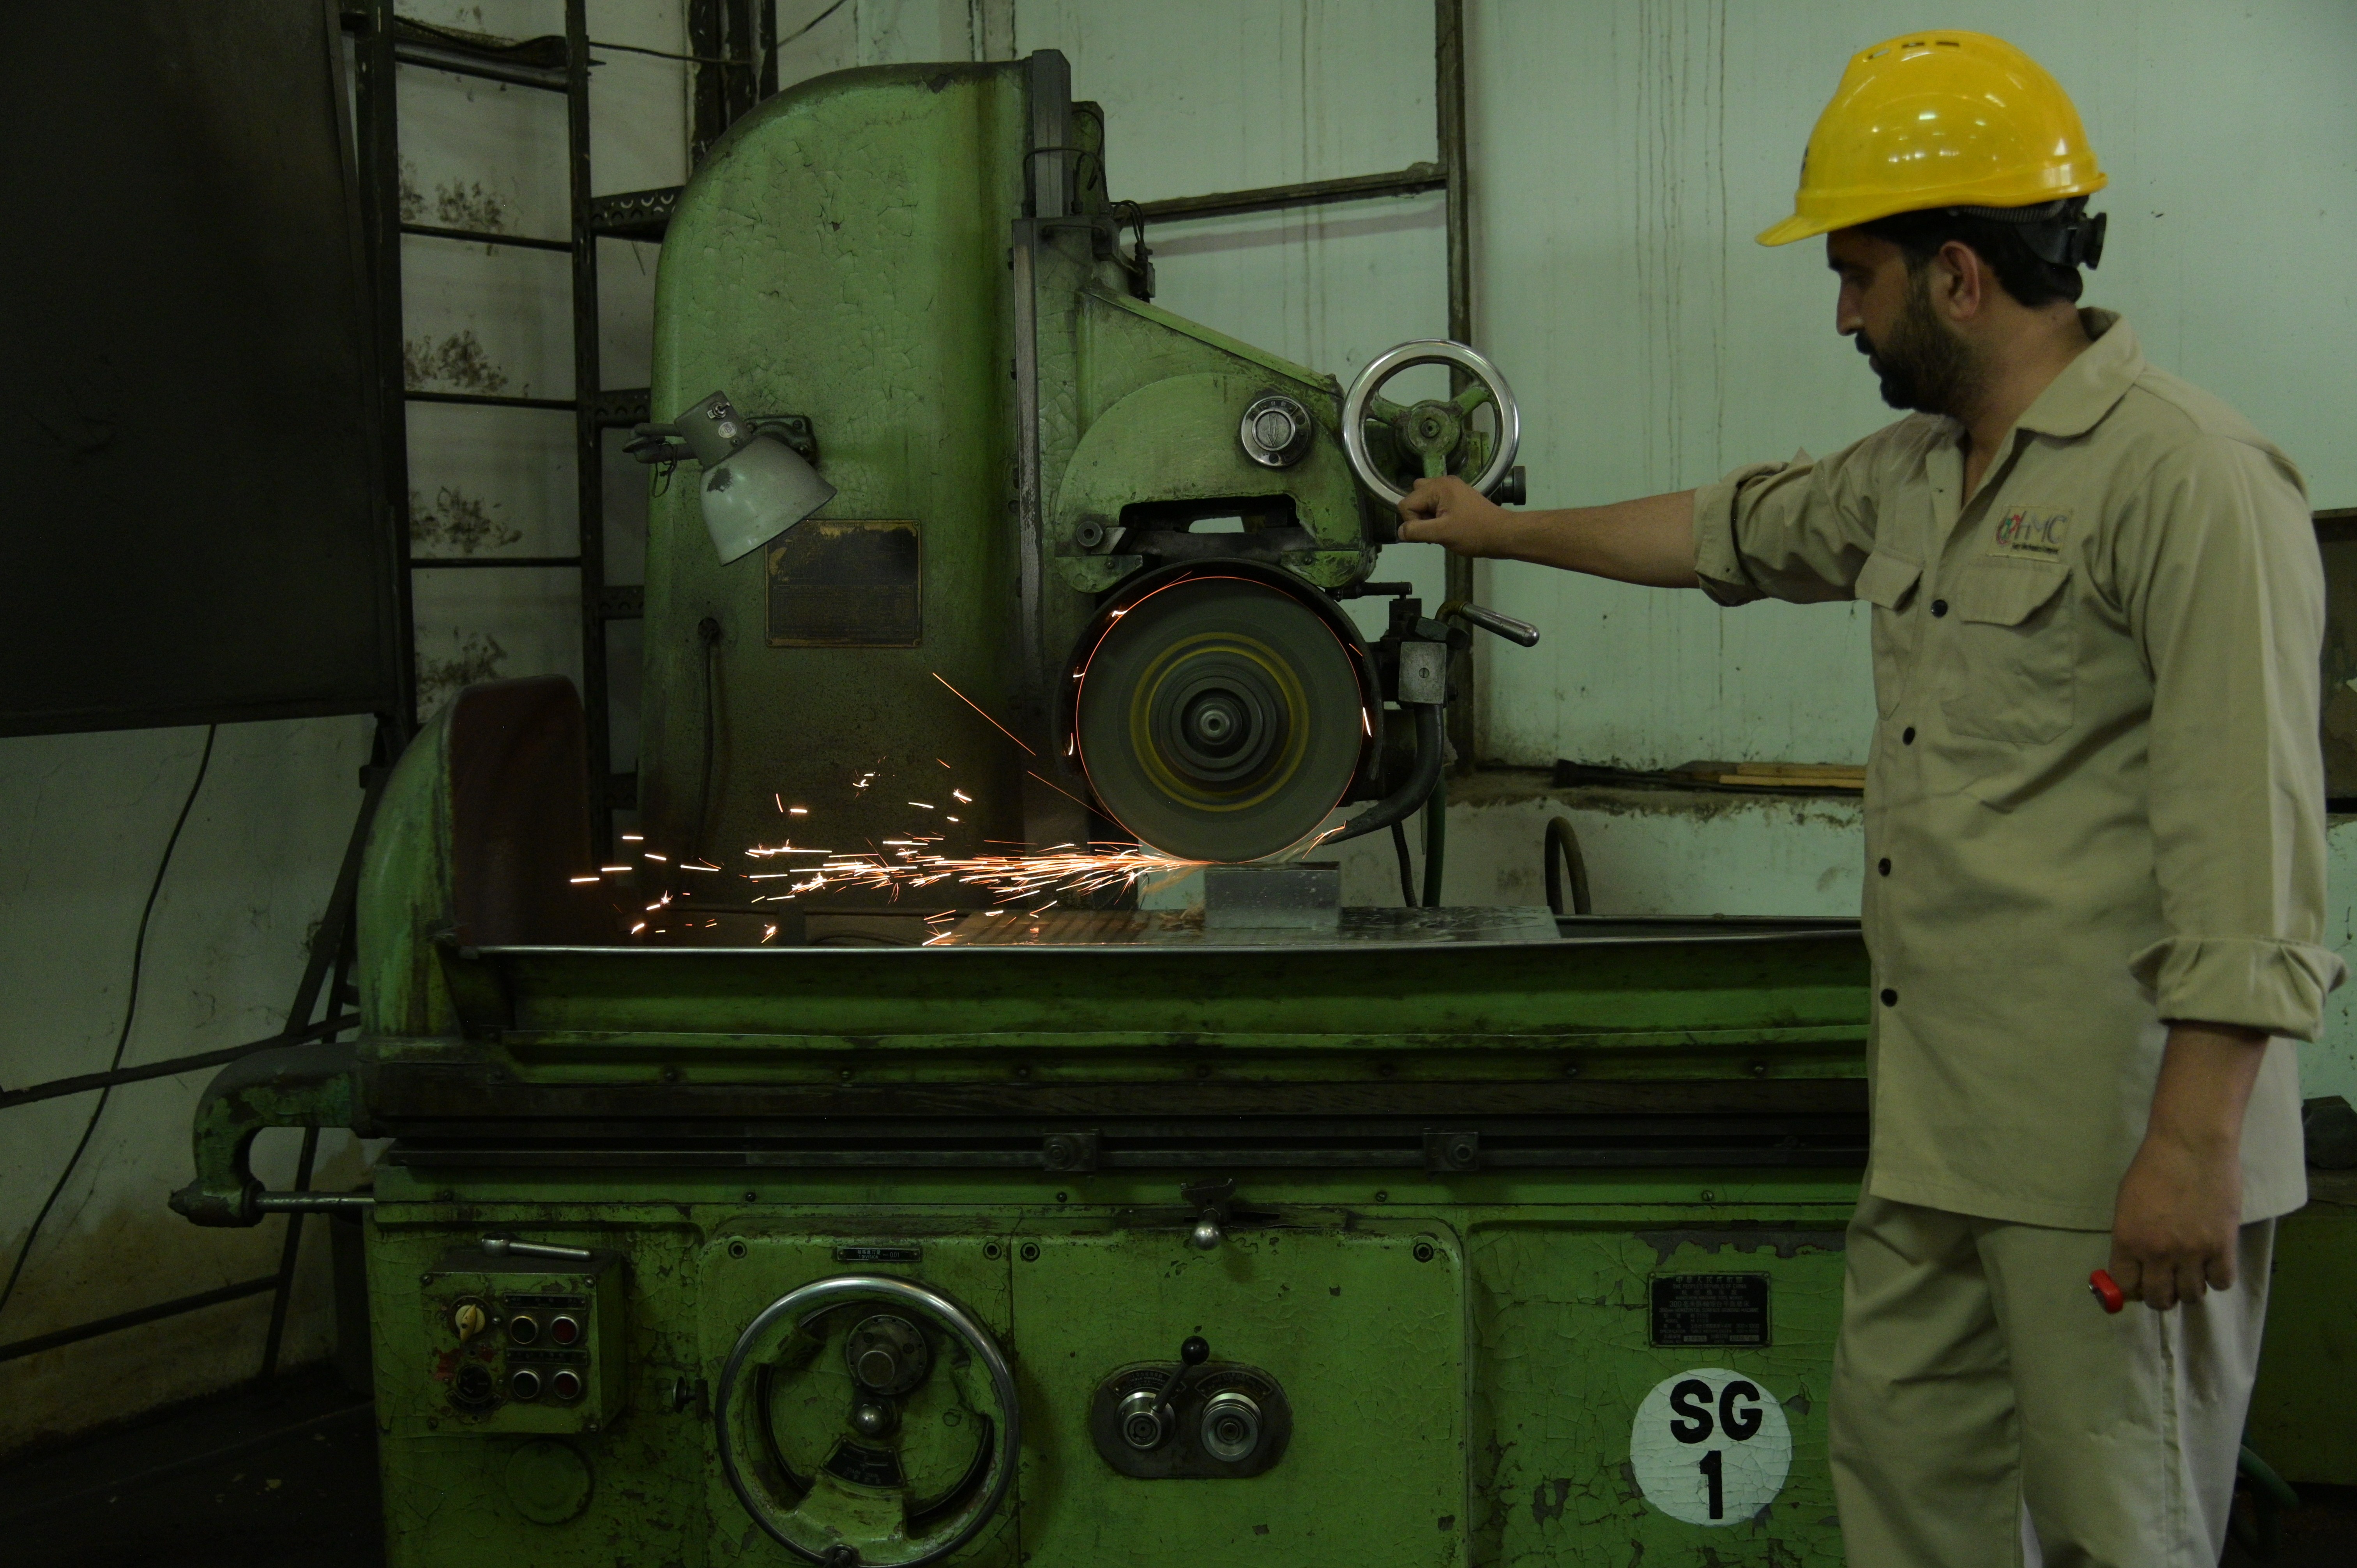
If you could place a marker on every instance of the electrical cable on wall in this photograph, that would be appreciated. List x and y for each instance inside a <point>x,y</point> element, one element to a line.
<point>130,1014</point>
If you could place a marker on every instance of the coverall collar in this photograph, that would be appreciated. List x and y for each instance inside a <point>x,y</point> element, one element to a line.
<point>2090,384</point>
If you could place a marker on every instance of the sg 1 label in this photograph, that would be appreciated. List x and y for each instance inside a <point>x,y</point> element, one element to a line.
<point>1710,1446</point>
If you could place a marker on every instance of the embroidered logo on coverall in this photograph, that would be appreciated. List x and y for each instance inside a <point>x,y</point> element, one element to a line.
<point>2035,532</point>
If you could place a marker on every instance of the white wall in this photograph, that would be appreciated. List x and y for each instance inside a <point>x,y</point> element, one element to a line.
<point>87,819</point>
<point>1628,150</point>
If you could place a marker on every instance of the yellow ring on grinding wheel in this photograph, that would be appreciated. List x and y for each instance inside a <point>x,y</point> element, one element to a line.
<point>1150,685</point>
<point>1219,718</point>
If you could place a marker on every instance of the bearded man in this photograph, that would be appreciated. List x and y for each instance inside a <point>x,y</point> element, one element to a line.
<point>2094,832</point>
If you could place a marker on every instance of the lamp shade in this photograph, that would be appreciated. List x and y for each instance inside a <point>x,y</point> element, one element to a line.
<point>759,491</point>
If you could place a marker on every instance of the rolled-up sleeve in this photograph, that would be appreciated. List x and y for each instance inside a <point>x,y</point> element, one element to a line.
<point>2225,595</point>
<point>1798,530</point>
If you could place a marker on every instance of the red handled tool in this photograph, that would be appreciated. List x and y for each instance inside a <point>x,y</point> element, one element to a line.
<point>2105,1289</point>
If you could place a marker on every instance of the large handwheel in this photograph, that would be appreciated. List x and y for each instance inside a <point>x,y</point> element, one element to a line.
<point>892,1453</point>
<point>1425,440</point>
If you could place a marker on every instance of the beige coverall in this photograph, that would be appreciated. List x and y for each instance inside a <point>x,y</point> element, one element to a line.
<point>2094,803</point>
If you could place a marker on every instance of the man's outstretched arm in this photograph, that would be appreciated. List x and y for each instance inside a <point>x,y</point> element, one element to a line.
<point>1649,541</point>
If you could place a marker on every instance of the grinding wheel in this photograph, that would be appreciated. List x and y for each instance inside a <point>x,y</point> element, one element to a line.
<point>1219,718</point>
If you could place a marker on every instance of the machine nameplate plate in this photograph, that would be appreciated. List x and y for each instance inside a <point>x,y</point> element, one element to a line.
<point>892,1252</point>
<point>1710,1309</point>
<point>848,584</point>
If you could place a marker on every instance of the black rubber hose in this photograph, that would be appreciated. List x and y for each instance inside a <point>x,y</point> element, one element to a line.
<point>1407,870</point>
<point>1561,850</point>
<point>1400,802</point>
<point>1435,839</point>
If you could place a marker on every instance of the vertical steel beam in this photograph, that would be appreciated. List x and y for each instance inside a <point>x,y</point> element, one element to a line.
<point>1449,99</point>
<point>740,32</point>
<point>589,457</point>
<point>1048,170</point>
<point>379,148</point>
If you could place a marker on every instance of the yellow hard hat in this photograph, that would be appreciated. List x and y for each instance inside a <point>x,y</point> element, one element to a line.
<point>1938,119</point>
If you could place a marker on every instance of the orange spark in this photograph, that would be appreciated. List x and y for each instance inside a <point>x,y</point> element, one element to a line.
<point>1060,789</point>
<point>1001,728</point>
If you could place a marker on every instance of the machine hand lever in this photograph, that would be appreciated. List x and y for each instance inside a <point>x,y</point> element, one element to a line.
<point>1191,1354</point>
<point>508,1246</point>
<point>1507,627</point>
<point>1211,1201</point>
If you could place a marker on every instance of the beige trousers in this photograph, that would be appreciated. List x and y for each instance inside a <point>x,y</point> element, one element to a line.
<point>1977,1377</point>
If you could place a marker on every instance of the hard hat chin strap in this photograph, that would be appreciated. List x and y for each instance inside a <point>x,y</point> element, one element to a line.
<point>2059,233</point>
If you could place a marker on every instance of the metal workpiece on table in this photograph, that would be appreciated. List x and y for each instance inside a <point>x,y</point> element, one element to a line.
<point>1296,896</point>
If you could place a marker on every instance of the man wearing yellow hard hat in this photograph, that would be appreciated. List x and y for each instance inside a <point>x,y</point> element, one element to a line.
<point>2094,831</point>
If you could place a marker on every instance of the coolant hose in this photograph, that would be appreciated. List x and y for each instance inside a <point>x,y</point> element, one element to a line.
<point>1397,805</point>
<point>1435,838</point>
<point>1559,853</point>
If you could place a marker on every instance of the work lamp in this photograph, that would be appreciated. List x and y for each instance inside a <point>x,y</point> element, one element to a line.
<point>755,487</point>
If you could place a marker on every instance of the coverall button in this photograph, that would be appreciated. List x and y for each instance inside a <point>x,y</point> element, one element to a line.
<point>1889,997</point>
<point>1907,736</point>
<point>1883,865</point>
<point>1939,606</point>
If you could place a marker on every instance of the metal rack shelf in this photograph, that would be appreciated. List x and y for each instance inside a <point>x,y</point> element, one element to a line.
<point>464,563</point>
<point>557,64</point>
<point>486,237</point>
<point>487,400</point>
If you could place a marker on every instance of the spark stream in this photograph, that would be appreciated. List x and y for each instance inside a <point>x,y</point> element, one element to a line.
<point>1060,870</point>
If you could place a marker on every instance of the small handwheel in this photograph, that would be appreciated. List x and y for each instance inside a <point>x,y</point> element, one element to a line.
<point>892,1452</point>
<point>1390,442</point>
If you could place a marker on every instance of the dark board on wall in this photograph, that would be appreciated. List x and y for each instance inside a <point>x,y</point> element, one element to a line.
<point>194,525</point>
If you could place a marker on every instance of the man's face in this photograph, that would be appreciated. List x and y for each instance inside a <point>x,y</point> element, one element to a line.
<point>1887,309</point>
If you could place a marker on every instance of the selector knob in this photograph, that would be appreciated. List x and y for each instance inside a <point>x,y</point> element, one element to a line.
<point>1146,1421</point>
<point>473,1384</point>
<point>1231,1428</point>
<point>468,1319</point>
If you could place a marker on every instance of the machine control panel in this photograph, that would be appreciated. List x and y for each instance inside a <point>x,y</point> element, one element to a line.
<point>1192,1419</point>
<point>524,1343</point>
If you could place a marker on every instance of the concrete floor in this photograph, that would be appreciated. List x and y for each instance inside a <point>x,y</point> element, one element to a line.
<point>233,1481</point>
<point>288,1479</point>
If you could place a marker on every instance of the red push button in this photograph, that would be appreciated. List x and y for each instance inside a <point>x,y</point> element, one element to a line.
<point>565,1331</point>
<point>566,1385</point>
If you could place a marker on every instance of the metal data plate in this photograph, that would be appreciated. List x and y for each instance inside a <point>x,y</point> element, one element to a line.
<point>849,583</point>
<point>1710,1309</point>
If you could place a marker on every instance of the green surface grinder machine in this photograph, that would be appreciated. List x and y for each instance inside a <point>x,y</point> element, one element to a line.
<point>853,1175</point>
